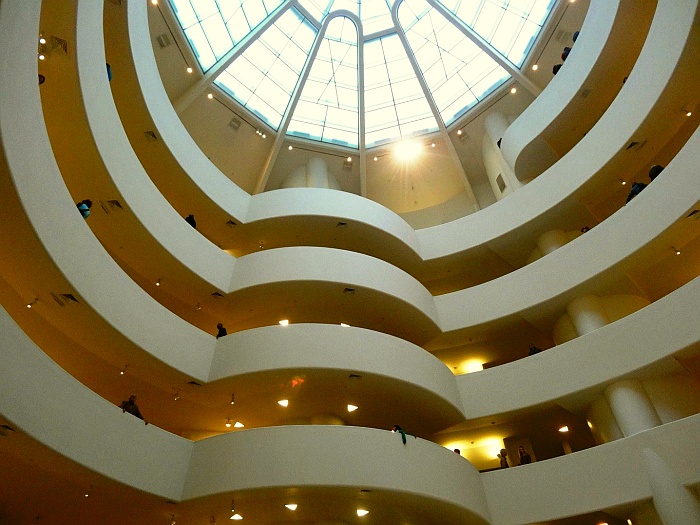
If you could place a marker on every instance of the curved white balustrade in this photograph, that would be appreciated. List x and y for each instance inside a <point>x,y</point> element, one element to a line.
<point>589,260</point>
<point>610,38</point>
<point>587,364</point>
<point>608,475</point>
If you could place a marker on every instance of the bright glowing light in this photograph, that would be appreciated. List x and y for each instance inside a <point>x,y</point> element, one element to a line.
<point>349,159</point>
<point>189,70</point>
<point>689,114</point>
<point>42,40</point>
<point>629,522</point>
<point>564,429</point>
<point>624,182</point>
<point>210,96</point>
<point>352,408</point>
<point>291,506</point>
<point>362,512</point>
<point>472,366</point>
<point>283,402</point>
<point>514,91</point>
<point>343,324</point>
<point>590,425</point>
<point>407,150</point>
<point>41,57</point>
<point>290,148</point>
<point>284,322</point>
<point>236,517</point>
<point>154,2</point>
<point>535,67</point>
<point>459,132</point>
<point>376,159</point>
<point>228,423</point>
<point>238,424</point>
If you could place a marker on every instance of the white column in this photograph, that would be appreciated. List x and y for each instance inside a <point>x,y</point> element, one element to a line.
<point>602,422</point>
<point>552,240</point>
<point>631,406</point>
<point>587,314</point>
<point>675,504</point>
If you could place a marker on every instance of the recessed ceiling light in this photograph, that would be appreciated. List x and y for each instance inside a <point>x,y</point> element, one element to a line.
<point>514,90</point>
<point>154,2</point>
<point>210,96</point>
<point>349,159</point>
<point>362,512</point>
<point>690,113</point>
<point>284,322</point>
<point>189,70</point>
<point>283,402</point>
<point>290,148</point>
<point>432,145</point>
<point>590,425</point>
<point>535,67</point>
<point>41,56</point>
<point>459,132</point>
<point>376,159</point>
<point>238,424</point>
<point>352,408</point>
<point>291,506</point>
<point>564,429</point>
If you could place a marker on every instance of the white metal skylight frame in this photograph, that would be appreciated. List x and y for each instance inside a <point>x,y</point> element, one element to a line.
<point>446,95</point>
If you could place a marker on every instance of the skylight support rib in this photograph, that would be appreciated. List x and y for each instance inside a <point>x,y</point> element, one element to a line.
<point>289,112</point>
<point>433,107</point>
<point>189,96</point>
<point>484,46</point>
<point>361,108</point>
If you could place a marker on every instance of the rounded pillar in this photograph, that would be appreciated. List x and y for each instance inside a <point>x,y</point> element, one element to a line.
<point>552,240</point>
<point>602,422</point>
<point>674,503</point>
<point>631,406</point>
<point>587,314</point>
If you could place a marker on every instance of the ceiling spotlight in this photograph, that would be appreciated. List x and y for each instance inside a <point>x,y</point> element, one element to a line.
<point>535,67</point>
<point>264,136</point>
<point>172,519</point>
<point>42,40</point>
<point>228,423</point>
<point>362,512</point>
<point>432,145</point>
<point>352,408</point>
<point>210,96</point>
<point>177,395</point>
<point>590,425</point>
<point>198,307</point>
<point>238,424</point>
<point>349,159</point>
<point>689,113</point>
<point>291,506</point>
<point>629,522</point>
<point>624,182</point>
<point>513,90</point>
<point>290,148</point>
<point>233,399</point>
<point>158,282</point>
<point>284,322</point>
<point>283,403</point>
<point>376,159</point>
<point>234,515</point>
<point>41,56</point>
<point>459,132</point>
<point>564,429</point>
<point>189,70</point>
<point>123,370</point>
<point>678,252</point>
<point>32,302</point>
<point>154,2</point>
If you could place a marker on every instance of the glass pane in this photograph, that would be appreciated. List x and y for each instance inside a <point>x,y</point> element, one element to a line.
<point>329,97</point>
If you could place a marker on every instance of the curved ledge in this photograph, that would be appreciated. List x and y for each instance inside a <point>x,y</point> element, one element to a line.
<point>609,475</point>
<point>611,37</point>
<point>575,371</point>
<point>592,260</point>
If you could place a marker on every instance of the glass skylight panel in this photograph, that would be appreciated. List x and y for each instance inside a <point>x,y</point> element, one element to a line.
<point>317,8</point>
<point>213,27</point>
<point>376,15</point>
<point>458,73</point>
<point>510,26</point>
<point>328,106</point>
<point>263,78</point>
<point>395,105</point>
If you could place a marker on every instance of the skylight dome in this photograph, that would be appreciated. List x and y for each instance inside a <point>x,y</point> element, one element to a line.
<point>359,73</point>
